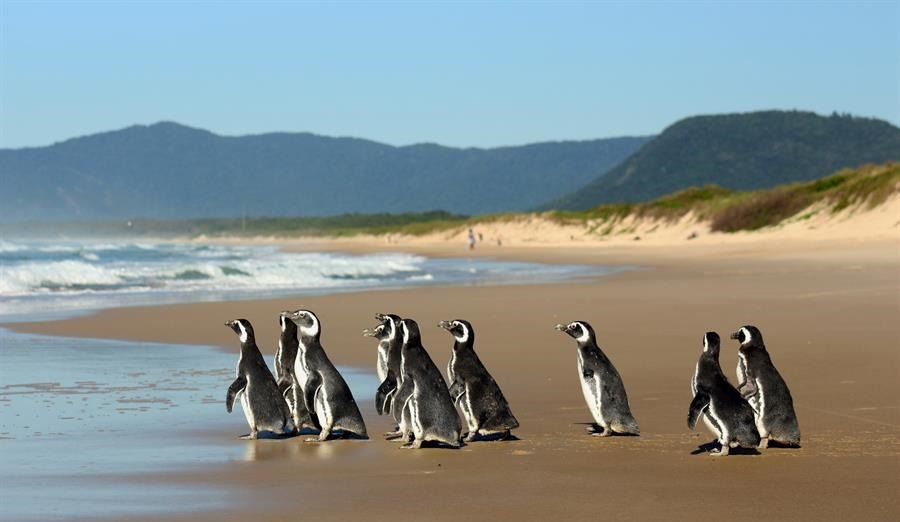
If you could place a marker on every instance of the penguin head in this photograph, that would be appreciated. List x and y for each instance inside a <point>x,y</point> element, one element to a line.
<point>711,343</point>
<point>243,328</point>
<point>409,329</point>
<point>288,327</point>
<point>460,329</point>
<point>748,335</point>
<point>388,330</point>
<point>307,322</point>
<point>581,331</point>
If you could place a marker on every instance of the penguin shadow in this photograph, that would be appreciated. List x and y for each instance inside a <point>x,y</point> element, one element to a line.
<point>779,445</point>
<point>271,435</point>
<point>496,437</point>
<point>343,435</point>
<point>594,429</point>
<point>433,444</point>
<point>267,435</point>
<point>712,446</point>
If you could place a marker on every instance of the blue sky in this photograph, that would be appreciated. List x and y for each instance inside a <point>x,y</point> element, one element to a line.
<point>462,73</point>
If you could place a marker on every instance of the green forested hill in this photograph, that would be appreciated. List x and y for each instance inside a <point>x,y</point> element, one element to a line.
<point>740,152</point>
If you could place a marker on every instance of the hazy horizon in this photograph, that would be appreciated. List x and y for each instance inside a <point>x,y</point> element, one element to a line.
<point>401,145</point>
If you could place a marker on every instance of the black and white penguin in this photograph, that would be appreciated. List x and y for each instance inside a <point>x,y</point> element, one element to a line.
<point>285,358</point>
<point>761,384</point>
<point>601,384</point>
<point>423,401</point>
<point>725,412</point>
<point>387,365</point>
<point>473,389</point>
<point>324,390</point>
<point>263,405</point>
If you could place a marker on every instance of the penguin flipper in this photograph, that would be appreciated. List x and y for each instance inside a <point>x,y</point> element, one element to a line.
<point>284,384</point>
<point>383,394</point>
<point>236,387</point>
<point>313,381</point>
<point>457,389</point>
<point>750,389</point>
<point>403,393</point>
<point>698,405</point>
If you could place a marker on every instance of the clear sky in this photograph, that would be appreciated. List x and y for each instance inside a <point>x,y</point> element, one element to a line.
<point>456,73</point>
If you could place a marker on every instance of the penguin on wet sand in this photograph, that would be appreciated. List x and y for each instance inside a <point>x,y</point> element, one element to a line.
<point>601,384</point>
<point>264,406</point>
<point>285,357</point>
<point>727,414</point>
<point>390,342</point>
<point>423,401</point>
<point>472,387</point>
<point>760,383</point>
<point>325,391</point>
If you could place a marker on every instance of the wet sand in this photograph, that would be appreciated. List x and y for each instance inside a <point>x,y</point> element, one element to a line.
<point>829,312</point>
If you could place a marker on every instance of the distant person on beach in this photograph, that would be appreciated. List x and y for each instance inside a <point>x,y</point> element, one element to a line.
<point>471,240</point>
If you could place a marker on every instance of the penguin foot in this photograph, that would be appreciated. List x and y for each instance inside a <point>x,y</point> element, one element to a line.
<point>253,435</point>
<point>722,452</point>
<point>604,433</point>
<point>393,435</point>
<point>763,443</point>
<point>593,428</point>
<point>416,444</point>
<point>471,436</point>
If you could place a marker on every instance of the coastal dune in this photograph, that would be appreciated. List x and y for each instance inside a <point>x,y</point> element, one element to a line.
<point>828,312</point>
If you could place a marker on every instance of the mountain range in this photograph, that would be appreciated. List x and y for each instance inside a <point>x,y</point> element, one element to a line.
<point>168,170</point>
<point>171,171</point>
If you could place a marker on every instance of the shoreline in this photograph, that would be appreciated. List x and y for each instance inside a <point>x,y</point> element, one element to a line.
<point>813,301</point>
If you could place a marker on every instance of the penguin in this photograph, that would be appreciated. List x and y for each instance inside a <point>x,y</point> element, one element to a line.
<point>387,365</point>
<point>472,387</point>
<point>263,405</point>
<point>761,384</point>
<point>423,400</point>
<point>285,357</point>
<point>324,390</point>
<point>727,414</point>
<point>601,384</point>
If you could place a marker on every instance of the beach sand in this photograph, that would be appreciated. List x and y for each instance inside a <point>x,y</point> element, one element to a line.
<point>829,312</point>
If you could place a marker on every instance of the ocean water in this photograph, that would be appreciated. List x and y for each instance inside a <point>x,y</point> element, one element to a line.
<point>84,421</point>
<point>38,278</point>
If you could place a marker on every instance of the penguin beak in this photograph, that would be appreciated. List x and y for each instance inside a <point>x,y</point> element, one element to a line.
<point>380,317</point>
<point>369,333</point>
<point>285,313</point>
<point>444,324</point>
<point>229,324</point>
<point>562,327</point>
<point>736,335</point>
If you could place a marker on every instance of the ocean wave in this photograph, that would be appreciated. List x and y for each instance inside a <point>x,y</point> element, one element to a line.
<point>185,267</point>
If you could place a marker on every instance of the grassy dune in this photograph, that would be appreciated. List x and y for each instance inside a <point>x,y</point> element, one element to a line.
<point>729,211</point>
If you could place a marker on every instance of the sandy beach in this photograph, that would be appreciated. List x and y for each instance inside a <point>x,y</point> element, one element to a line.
<point>828,311</point>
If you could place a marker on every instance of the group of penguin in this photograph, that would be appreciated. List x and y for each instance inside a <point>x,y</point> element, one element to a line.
<point>308,393</point>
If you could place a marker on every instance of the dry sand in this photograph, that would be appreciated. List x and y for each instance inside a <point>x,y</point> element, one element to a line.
<point>829,311</point>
